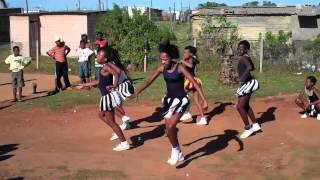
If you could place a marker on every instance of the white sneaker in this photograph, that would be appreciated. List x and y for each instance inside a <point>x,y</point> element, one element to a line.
<point>122,146</point>
<point>114,137</point>
<point>174,162</point>
<point>256,127</point>
<point>125,118</point>
<point>246,133</point>
<point>203,121</point>
<point>186,116</point>
<point>304,116</point>
<point>125,125</point>
<point>318,117</point>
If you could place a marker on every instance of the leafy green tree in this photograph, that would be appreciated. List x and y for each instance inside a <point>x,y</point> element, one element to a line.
<point>251,4</point>
<point>313,47</point>
<point>128,34</point>
<point>277,46</point>
<point>269,4</point>
<point>208,5</point>
<point>220,38</point>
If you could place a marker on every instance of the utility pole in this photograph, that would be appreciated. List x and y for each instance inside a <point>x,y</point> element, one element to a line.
<point>174,12</point>
<point>150,10</point>
<point>107,5</point>
<point>27,5</point>
<point>99,5</point>
<point>181,13</point>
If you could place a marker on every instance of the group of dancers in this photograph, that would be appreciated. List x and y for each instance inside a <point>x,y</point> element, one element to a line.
<point>116,86</point>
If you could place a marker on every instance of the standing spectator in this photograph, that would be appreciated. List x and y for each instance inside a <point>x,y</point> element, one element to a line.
<point>84,55</point>
<point>17,64</point>
<point>59,54</point>
<point>100,41</point>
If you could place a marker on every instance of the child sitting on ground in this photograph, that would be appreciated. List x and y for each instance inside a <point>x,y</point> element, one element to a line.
<point>309,99</point>
<point>17,64</point>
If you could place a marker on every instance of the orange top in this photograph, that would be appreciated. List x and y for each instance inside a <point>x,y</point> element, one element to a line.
<point>59,53</point>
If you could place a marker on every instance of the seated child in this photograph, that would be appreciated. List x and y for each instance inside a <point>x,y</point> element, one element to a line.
<point>308,99</point>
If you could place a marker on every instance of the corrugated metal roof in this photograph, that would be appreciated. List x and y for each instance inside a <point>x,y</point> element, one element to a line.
<point>311,11</point>
<point>62,13</point>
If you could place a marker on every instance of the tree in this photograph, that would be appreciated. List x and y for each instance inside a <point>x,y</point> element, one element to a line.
<point>313,47</point>
<point>251,4</point>
<point>128,34</point>
<point>277,46</point>
<point>209,5</point>
<point>220,37</point>
<point>269,4</point>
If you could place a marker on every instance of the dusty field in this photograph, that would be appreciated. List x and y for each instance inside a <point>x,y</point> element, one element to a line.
<point>44,82</point>
<point>74,144</point>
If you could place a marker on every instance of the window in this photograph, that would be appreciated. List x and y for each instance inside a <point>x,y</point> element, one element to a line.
<point>308,21</point>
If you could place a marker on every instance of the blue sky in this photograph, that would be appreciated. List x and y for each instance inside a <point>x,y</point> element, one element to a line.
<point>162,4</point>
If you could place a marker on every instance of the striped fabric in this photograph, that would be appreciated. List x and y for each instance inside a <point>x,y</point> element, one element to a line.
<point>110,101</point>
<point>248,88</point>
<point>175,105</point>
<point>58,53</point>
<point>125,89</point>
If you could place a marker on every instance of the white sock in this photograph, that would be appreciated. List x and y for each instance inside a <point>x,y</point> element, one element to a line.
<point>124,142</point>
<point>125,118</point>
<point>175,153</point>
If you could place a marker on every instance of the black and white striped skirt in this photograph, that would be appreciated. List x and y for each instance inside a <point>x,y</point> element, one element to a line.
<point>110,101</point>
<point>248,88</point>
<point>125,89</point>
<point>175,105</point>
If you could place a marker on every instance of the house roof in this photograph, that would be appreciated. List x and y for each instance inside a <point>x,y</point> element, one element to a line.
<point>258,11</point>
<point>61,13</point>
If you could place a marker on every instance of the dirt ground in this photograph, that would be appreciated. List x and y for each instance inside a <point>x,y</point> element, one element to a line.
<point>74,144</point>
<point>44,83</point>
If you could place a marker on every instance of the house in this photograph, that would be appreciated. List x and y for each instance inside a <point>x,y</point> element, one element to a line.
<point>28,29</point>
<point>5,23</point>
<point>303,22</point>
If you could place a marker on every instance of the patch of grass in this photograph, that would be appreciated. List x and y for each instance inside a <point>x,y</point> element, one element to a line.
<point>62,168</point>
<point>229,157</point>
<point>63,101</point>
<point>211,166</point>
<point>96,174</point>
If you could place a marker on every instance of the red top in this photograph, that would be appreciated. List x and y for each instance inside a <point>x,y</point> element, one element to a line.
<point>102,43</point>
<point>59,53</point>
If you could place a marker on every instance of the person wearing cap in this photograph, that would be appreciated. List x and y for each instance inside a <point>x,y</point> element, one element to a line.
<point>59,54</point>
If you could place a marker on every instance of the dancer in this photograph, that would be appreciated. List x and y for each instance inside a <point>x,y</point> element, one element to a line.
<point>17,64</point>
<point>110,97</point>
<point>190,62</point>
<point>309,99</point>
<point>248,85</point>
<point>176,102</point>
<point>59,53</point>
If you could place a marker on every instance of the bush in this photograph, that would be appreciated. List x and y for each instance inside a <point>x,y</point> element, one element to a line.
<point>128,34</point>
<point>277,46</point>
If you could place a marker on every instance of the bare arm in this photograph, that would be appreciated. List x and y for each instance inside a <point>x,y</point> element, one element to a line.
<point>196,85</point>
<point>115,71</point>
<point>249,66</point>
<point>148,82</point>
<point>187,63</point>
<point>316,92</point>
<point>67,51</point>
<point>92,83</point>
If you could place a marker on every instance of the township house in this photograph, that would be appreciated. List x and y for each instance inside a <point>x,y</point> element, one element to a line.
<point>303,22</point>
<point>27,29</point>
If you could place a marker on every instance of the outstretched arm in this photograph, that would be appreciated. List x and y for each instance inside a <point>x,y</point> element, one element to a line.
<point>148,82</point>
<point>196,85</point>
<point>187,63</point>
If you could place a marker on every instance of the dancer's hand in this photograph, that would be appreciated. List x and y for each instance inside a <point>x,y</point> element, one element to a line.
<point>205,106</point>
<point>111,87</point>
<point>80,86</point>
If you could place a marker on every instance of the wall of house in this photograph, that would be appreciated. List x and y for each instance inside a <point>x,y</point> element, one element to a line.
<point>19,33</point>
<point>308,31</point>
<point>70,27</point>
<point>92,20</point>
<point>250,26</point>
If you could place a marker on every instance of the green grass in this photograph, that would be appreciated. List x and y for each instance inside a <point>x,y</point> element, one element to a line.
<point>97,174</point>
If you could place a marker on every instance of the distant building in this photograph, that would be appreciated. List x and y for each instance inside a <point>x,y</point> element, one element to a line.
<point>156,14</point>
<point>303,22</point>
<point>26,29</point>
